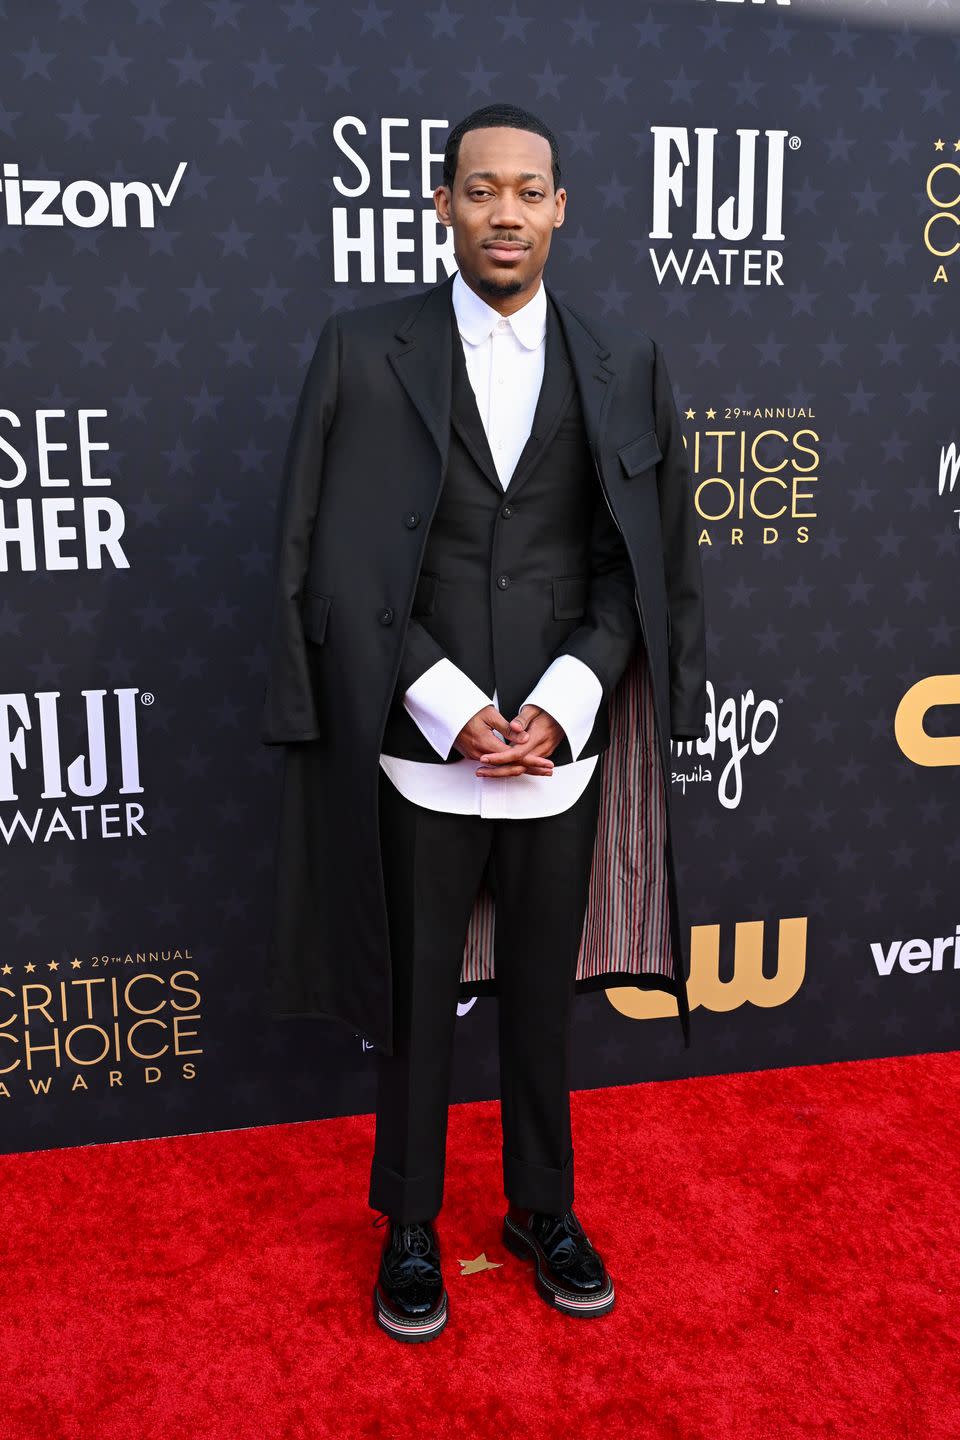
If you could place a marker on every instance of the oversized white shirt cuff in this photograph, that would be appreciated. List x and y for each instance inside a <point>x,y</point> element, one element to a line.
<point>570,692</point>
<point>441,701</point>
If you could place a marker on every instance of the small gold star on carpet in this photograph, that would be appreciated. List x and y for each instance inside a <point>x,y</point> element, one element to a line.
<point>473,1267</point>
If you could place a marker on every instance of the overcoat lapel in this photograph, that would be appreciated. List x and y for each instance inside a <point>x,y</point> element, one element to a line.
<point>594,376</point>
<point>422,363</point>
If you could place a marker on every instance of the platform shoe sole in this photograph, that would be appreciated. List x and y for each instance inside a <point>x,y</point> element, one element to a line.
<point>569,1301</point>
<point>411,1330</point>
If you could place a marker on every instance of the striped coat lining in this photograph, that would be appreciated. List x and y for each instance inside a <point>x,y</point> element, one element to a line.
<point>627,923</point>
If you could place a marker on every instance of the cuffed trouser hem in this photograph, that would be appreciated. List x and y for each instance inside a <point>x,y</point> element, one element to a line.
<point>404,1198</point>
<point>538,1187</point>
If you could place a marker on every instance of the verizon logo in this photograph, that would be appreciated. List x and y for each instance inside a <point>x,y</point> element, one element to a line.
<point>87,204</point>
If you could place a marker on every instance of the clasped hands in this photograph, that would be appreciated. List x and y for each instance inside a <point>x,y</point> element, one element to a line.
<point>528,741</point>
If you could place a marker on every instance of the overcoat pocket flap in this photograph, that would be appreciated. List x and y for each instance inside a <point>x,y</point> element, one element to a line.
<point>569,596</point>
<point>314,609</point>
<point>641,453</point>
<point>425,595</point>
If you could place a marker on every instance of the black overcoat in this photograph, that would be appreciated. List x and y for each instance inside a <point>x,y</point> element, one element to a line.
<point>362,477</point>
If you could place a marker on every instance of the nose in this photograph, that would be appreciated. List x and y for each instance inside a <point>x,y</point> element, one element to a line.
<point>506,214</point>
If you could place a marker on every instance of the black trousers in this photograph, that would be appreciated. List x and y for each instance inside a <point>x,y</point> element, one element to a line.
<point>538,868</point>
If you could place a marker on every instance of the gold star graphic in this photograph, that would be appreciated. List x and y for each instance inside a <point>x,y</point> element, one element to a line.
<point>7,970</point>
<point>53,965</point>
<point>75,964</point>
<point>938,144</point>
<point>711,413</point>
<point>473,1267</point>
<point>29,967</point>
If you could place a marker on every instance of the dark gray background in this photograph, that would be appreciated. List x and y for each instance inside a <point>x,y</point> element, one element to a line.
<point>195,336</point>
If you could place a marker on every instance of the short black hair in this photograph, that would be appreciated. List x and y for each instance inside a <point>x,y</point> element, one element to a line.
<point>489,116</point>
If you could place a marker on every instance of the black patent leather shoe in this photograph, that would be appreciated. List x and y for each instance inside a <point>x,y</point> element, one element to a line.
<point>409,1298</point>
<point>569,1274</point>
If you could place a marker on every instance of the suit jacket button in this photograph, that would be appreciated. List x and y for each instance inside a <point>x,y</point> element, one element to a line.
<point>507,511</point>
<point>411,519</point>
<point>386,615</point>
<point>503,581</point>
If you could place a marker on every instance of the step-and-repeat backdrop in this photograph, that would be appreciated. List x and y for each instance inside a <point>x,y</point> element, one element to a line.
<point>771,190</point>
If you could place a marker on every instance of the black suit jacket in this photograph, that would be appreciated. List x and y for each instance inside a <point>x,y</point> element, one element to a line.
<point>511,579</point>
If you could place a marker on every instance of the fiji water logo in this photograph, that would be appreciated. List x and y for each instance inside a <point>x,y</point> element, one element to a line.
<point>71,769</point>
<point>736,235</point>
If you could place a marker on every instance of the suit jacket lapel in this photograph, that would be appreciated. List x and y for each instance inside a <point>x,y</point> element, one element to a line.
<point>555,393</point>
<point>423,362</point>
<point>465,414</point>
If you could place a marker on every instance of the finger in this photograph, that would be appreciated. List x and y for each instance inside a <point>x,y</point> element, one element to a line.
<point>496,721</point>
<point>508,759</point>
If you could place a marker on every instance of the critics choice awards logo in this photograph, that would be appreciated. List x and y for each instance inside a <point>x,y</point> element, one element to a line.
<point>62,1027</point>
<point>941,228</point>
<point>754,483</point>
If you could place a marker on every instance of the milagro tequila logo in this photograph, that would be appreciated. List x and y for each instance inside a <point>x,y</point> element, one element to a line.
<point>740,726</point>
<point>685,188</point>
<point>949,476</point>
<point>52,788</point>
<point>121,204</point>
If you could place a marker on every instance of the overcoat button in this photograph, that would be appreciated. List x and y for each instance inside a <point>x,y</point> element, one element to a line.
<point>507,511</point>
<point>503,581</point>
<point>411,519</point>
<point>386,615</point>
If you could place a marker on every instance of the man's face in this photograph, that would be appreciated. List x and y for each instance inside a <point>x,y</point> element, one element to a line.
<point>503,210</point>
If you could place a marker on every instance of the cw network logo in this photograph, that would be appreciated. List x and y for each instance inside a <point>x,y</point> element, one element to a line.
<point>747,985</point>
<point>84,203</point>
<point>911,733</point>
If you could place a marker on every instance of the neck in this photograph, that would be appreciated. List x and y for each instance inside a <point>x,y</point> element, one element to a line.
<point>504,304</point>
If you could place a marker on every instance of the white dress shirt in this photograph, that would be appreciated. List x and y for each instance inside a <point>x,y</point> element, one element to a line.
<point>504,358</point>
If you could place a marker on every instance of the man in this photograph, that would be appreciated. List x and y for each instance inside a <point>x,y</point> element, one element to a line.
<point>488,584</point>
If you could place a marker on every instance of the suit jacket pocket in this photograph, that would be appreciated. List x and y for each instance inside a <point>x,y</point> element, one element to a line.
<point>314,609</point>
<point>640,454</point>
<point>569,596</point>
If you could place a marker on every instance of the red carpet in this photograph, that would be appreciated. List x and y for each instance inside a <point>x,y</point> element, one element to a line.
<point>785,1246</point>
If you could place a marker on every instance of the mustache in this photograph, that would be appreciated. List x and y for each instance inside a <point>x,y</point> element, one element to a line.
<point>507,240</point>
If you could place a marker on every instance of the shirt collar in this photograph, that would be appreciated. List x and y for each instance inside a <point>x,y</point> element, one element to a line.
<point>476,319</point>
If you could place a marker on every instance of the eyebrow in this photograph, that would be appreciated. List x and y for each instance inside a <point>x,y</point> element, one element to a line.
<point>492,175</point>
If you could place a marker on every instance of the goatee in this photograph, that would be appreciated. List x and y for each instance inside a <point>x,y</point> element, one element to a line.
<point>499,289</point>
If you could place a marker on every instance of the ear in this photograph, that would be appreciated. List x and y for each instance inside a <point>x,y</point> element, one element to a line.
<point>560,207</point>
<point>441,200</point>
